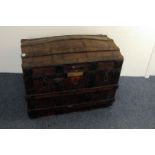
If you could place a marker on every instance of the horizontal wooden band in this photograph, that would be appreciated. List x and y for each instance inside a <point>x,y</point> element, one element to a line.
<point>35,41</point>
<point>70,92</point>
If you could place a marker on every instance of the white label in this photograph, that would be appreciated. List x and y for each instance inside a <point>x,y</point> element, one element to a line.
<point>23,54</point>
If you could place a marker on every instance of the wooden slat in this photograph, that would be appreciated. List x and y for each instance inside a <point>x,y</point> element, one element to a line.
<point>68,46</point>
<point>68,59</point>
<point>70,92</point>
<point>61,38</point>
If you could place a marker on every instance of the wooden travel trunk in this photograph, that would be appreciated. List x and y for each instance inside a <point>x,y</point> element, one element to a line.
<point>69,73</point>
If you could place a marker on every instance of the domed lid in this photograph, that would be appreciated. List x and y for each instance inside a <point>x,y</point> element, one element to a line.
<point>67,49</point>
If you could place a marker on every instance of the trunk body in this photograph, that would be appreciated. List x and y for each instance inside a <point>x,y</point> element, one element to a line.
<point>70,73</point>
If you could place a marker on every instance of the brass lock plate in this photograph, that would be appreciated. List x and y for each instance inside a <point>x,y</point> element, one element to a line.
<point>74,74</point>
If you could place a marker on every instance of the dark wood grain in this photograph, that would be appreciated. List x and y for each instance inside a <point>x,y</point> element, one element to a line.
<point>69,73</point>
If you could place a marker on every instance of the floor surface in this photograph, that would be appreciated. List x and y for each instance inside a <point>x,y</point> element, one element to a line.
<point>134,108</point>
